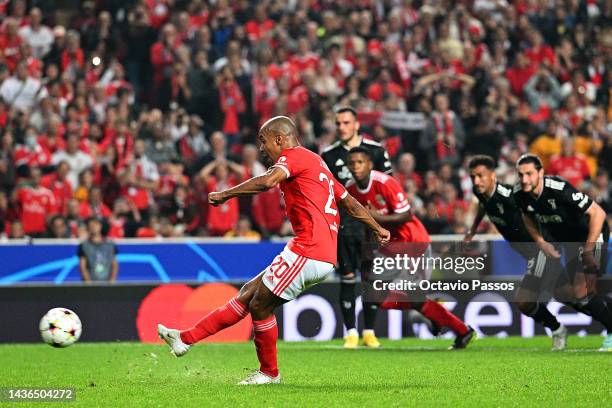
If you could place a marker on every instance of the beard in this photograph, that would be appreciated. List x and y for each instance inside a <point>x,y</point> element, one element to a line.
<point>267,160</point>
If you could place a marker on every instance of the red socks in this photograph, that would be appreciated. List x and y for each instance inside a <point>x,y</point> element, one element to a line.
<point>225,316</point>
<point>442,317</point>
<point>397,300</point>
<point>266,334</point>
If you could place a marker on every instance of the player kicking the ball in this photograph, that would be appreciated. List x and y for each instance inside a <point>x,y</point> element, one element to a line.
<point>389,206</point>
<point>312,195</point>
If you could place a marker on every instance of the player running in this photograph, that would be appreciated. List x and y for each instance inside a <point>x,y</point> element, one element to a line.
<point>389,206</point>
<point>351,233</point>
<point>496,200</point>
<point>576,225</point>
<point>312,195</point>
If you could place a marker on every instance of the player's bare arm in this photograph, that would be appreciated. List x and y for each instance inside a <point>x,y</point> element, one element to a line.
<point>480,213</point>
<point>391,219</point>
<point>532,229</point>
<point>356,210</point>
<point>252,186</point>
<point>597,216</point>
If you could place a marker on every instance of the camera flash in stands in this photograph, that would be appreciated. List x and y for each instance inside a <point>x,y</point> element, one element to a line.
<point>96,61</point>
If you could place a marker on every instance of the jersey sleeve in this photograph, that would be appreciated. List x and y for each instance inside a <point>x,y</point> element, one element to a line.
<point>339,191</point>
<point>395,196</point>
<point>290,162</point>
<point>573,198</point>
<point>519,201</point>
<point>382,162</point>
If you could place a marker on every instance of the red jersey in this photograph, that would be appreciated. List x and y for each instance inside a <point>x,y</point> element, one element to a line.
<point>574,168</point>
<point>61,189</point>
<point>311,193</point>
<point>386,195</point>
<point>36,205</point>
<point>222,218</point>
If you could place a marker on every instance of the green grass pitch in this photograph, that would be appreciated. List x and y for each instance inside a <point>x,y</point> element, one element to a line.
<point>491,373</point>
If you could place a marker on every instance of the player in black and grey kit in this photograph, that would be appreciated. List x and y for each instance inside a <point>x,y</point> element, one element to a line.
<point>351,234</point>
<point>496,200</point>
<point>576,225</point>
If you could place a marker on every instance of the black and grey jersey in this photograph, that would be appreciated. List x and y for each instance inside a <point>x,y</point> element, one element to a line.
<point>502,210</point>
<point>336,158</point>
<point>559,210</point>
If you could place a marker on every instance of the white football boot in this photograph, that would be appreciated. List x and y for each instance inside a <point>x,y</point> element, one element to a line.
<point>559,338</point>
<point>607,344</point>
<point>173,338</point>
<point>259,378</point>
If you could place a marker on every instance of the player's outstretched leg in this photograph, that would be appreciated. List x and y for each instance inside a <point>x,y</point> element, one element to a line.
<point>173,338</point>
<point>443,318</point>
<point>225,316</point>
<point>528,305</point>
<point>540,314</point>
<point>266,334</point>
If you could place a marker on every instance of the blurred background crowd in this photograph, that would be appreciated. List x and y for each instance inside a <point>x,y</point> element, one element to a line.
<point>134,110</point>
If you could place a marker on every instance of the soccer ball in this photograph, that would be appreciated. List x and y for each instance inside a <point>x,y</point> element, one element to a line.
<point>60,327</point>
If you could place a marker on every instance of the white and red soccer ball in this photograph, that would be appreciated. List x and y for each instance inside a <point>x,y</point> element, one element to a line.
<point>60,327</point>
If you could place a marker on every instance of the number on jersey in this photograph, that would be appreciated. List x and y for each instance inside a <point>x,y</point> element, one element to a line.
<point>330,199</point>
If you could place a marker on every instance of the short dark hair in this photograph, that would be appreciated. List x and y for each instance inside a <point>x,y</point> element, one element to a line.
<point>344,109</point>
<point>530,158</point>
<point>481,160</point>
<point>359,149</point>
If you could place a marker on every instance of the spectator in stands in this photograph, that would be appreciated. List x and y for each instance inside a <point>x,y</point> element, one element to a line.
<point>58,228</point>
<point>86,182</point>
<point>405,170</point>
<point>443,137</point>
<point>97,255</point>
<point>77,159</point>
<point>227,174</point>
<point>94,206</point>
<point>17,230</point>
<point>22,91</point>
<point>139,179</point>
<point>543,91</point>
<point>243,229</point>
<point>36,34</point>
<point>548,144</point>
<point>31,152</point>
<point>36,205</point>
<point>160,149</point>
<point>432,220</point>
<point>58,183</point>
<point>519,74</point>
<point>141,70</point>
<point>193,144</point>
<point>181,211</point>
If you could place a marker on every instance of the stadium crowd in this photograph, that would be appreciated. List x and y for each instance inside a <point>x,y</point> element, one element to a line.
<point>134,110</point>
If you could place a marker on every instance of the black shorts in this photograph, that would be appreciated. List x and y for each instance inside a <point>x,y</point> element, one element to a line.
<point>543,274</point>
<point>350,246</point>
<point>573,253</point>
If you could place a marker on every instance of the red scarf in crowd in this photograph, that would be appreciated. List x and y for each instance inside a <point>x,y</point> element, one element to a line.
<point>444,124</point>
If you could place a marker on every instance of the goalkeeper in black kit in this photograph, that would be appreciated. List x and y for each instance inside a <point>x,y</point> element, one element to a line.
<point>351,233</point>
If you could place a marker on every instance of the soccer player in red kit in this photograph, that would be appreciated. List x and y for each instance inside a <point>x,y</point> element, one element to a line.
<point>312,196</point>
<point>389,206</point>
